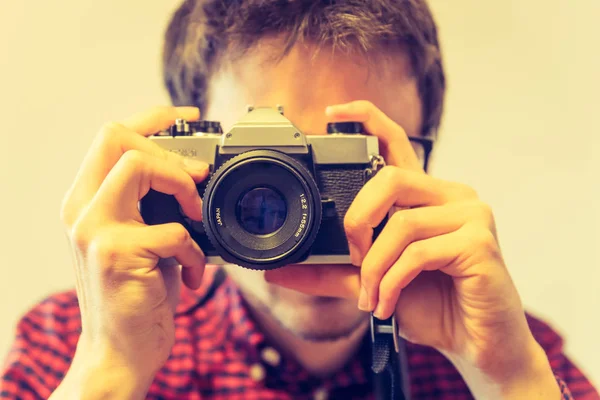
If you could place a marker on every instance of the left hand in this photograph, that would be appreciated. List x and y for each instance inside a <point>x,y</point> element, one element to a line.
<point>436,264</point>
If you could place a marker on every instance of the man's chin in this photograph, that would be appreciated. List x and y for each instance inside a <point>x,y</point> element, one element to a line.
<point>325,335</point>
<point>318,319</point>
<point>314,318</point>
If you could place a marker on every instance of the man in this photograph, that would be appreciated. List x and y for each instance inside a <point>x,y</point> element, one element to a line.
<point>132,331</point>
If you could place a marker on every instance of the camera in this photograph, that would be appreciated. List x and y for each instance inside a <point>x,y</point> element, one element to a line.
<point>274,196</point>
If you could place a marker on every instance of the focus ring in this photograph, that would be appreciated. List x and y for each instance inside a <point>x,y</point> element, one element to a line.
<point>253,169</point>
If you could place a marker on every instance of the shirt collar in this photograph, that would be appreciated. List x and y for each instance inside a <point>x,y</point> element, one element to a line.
<point>243,332</point>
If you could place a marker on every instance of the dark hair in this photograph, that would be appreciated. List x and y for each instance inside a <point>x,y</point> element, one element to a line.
<point>202,31</point>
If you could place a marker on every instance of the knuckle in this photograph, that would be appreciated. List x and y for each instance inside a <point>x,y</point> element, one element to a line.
<point>80,234</point>
<point>403,222</point>
<point>67,212</point>
<point>192,189</point>
<point>389,175</point>
<point>364,104</point>
<point>110,132</point>
<point>416,252</point>
<point>181,236</point>
<point>486,242</point>
<point>483,207</point>
<point>352,226</point>
<point>104,250</point>
<point>134,158</point>
<point>187,182</point>
<point>465,191</point>
<point>485,212</point>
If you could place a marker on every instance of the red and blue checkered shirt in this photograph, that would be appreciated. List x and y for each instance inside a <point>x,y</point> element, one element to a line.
<point>220,353</point>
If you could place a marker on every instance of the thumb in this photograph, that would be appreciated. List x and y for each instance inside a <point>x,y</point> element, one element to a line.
<point>318,280</point>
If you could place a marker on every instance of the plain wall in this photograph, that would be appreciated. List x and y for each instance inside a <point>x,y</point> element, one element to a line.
<point>520,126</point>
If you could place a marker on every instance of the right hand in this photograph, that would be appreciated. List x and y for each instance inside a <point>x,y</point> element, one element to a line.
<point>126,300</point>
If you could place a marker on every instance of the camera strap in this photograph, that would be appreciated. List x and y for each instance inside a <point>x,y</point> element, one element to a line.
<point>388,363</point>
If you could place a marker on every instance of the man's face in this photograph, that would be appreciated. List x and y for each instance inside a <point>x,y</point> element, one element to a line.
<point>305,85</point>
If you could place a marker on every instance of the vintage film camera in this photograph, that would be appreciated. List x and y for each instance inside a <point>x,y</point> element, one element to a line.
<point>274,196</point>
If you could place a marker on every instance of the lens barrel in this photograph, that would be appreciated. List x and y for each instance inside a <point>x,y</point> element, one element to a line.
<point>262,210</point>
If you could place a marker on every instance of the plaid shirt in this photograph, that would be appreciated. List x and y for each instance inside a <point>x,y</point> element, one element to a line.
<point>220,353</point>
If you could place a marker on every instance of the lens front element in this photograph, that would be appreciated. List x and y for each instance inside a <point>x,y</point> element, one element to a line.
<point>261,211</point>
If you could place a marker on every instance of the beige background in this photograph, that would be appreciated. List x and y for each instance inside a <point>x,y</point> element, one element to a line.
<point>521,127</point>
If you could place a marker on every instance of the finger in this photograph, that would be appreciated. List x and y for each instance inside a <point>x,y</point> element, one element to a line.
<point>318,280</point>
<point>403,228</point>
<point>395,145</point>
<point>192,277</point>
<point>110,144</point>
<point>442,253</point>
<point>393,186</point>
<point>131,179</point>
<point>157,119</point>
<point>174,241</point>
<point>115,140</point>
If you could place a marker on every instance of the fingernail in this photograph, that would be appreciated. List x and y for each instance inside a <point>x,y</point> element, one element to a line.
<point>199,206</point>
<point>354,254</point>
<point>195,164</point>
<point>363,300</point>
<point>378,311</point>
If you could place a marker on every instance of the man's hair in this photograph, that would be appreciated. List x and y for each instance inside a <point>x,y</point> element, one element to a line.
<point>202,31</point>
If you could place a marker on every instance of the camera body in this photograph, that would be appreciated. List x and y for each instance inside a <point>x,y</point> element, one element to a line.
<point>274,196</point>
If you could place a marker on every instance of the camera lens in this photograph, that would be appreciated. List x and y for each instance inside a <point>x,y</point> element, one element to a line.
<point>261,211</point>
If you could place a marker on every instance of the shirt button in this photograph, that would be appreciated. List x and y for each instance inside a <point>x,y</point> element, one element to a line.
<point>257,372</point>
<point>271,356</point>
<point>320,394</point>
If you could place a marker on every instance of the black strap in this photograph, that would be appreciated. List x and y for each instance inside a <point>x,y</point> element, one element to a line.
<point>390,378</point>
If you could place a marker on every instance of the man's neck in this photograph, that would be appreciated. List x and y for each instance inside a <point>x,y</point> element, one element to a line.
<point>320,358</point>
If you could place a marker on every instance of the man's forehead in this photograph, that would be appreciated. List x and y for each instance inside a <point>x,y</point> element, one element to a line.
<point>308,79</point>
